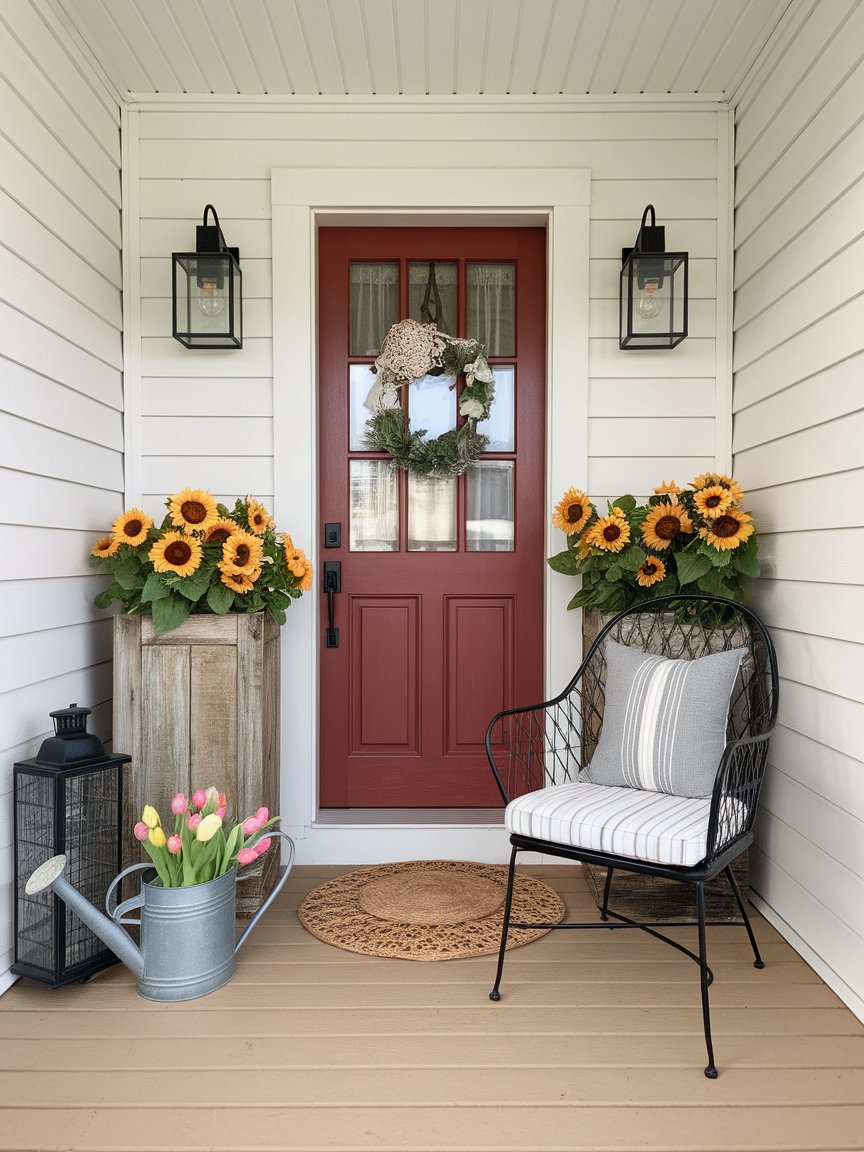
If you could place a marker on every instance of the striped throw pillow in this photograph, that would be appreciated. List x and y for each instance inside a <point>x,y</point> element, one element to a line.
<point>664,721</point>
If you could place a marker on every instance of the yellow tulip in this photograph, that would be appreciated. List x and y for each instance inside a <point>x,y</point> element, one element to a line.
<point>157,837</point>
<point>150,817</point>
<point>208,827</point>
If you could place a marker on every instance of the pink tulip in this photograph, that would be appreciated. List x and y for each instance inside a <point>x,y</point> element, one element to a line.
<point>221,811</point>
<point>199,798</point>
<point>247,856</point>
<point>174,844</point>
<point>223,803</point>
<point>262,846</point>
<point>251,825</point>
<point>193,821</point>
<point>262,815</point>
<point>179,804</point>
<point>141,830</point>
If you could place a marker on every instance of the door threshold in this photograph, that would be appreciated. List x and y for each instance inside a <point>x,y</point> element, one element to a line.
<point>417,817</point>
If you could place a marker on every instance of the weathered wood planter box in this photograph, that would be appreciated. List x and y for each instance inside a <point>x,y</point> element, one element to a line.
<point>197,706</point>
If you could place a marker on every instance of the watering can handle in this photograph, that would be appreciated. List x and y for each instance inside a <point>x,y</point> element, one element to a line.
<point>283,876</point>
<point>117,913</point>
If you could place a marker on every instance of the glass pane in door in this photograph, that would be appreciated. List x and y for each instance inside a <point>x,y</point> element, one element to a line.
<point>432,405</point>
<point>360,380</point>
<point>374,305</point>
<point>374,506</point>
<point>432,293</point>
<point>501,425</point>
<point>492,307</point>
<point>431,514</point>
<point>489,526</point>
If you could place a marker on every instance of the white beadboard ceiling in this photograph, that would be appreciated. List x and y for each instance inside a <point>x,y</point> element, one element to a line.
<point>425,47</point>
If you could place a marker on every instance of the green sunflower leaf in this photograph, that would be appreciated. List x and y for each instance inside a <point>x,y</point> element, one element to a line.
<point>154,589</point>
<point>170,612</point>
<point>632,558</point>
<point>193,587</point>
<point>220,598</point>
<point>564,562</point>
<point>746,558</point>
<point>691,566</point>
<point>625,503</point>
<point>128,574</point>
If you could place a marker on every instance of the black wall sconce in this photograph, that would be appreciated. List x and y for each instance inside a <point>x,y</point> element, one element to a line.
<point>653,290</point>
<point>207,290</point>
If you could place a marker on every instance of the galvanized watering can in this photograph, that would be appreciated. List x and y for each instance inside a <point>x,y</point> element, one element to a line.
<point>187,934</point>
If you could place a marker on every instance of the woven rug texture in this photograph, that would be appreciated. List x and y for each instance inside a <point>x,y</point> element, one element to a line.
<point>427,909</point>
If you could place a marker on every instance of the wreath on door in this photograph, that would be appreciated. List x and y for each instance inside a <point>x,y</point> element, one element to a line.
<point>410,351</point>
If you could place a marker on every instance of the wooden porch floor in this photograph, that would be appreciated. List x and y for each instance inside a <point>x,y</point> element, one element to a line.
<point>596,1044</point>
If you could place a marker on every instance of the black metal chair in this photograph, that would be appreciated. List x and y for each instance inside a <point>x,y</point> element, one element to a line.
<point>548,745</point>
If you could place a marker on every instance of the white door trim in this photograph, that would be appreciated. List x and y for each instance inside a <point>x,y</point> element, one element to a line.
<point>303,198</point>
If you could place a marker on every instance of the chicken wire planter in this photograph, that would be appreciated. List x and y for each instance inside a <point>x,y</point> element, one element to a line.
<point>651,897</point>
<point>200,703</point>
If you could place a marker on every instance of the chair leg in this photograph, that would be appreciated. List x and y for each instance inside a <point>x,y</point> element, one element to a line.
<point>604,911</point>
<point>508,903</point>
<point>704,979</point>
<point>758,962</point>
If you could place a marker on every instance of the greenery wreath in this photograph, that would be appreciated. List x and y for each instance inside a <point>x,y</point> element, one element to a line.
<point>410,351</point>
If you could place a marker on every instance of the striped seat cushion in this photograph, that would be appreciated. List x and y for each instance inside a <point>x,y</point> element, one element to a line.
<point>650,826</point>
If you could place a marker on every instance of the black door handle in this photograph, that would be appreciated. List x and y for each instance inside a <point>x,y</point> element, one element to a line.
<point>332,585</point>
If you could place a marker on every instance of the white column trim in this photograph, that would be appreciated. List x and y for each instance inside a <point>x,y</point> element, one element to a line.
<point>725,290</point>
<point>131,240</point>
<point>301,199</point>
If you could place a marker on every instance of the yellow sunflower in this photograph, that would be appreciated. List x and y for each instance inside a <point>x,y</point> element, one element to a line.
<point>610,534</point>
<point>663,524</point>
<point>132,527</point>
<point>712,502</point>
<point>219,532</point>
<point>572,512</point>
<point>729,530</point>
<point>306,579</point>
<point>193,509</point>
<point>584,545</point>
<point>176,553</point>
<point>295,561</point>
<point>258,516</point>
<point>709,479</point>
<point>241,582</point>
<point>650,571</point>
<point>242,552</point>
<point>668,488</point>
<point>107,546</point>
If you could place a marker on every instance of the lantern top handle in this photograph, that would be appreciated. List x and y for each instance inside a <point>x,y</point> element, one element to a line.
<point>210,208</point>
<point>653,224</point>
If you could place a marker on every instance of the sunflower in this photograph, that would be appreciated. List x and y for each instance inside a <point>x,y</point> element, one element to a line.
<point>107,546</point>
<point>241,552</point>
<point>176,553</point>
<point>241,582</point>
<point>712,502</point>
<point>219,532</point>
<point>611,533</point>
<point>132,527</point>
<point>729,530</point>
<point>306,579</point>
<point>295,562</point>
<point>193,509</point>
<point>710,479</point>
<point>572,512</point>
<point>668,488</point>
<point>258,517</point>
<point>650,571</point>
<point>663,524</point>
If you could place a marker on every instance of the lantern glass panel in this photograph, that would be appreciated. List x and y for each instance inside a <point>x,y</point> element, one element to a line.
<point>207,300</point>
<point>654,300</point>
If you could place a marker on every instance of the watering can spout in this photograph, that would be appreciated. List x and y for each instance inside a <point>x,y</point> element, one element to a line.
<point>50,875</point>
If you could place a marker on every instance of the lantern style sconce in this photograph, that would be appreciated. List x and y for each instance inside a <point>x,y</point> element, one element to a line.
<point>207,290</point>
<point>653,290</point>
<point>68,800</point>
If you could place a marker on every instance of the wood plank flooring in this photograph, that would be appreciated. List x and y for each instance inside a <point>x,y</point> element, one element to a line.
<point>596,1044</point>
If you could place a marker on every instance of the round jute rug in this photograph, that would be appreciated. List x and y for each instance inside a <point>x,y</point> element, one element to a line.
<point>427,909</point>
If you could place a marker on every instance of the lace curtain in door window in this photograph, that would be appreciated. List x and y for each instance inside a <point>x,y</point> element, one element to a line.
<point>492,307</point>
<point>374,305</point>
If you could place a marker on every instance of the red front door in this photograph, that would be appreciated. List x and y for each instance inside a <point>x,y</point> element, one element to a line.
<point>440,613</point>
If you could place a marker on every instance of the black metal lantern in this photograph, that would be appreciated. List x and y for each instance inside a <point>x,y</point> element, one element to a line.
<point>207,290</point>
<point>653,290</point>
<point>68,799</point>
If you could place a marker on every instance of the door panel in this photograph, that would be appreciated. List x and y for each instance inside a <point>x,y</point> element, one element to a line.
<point>440,616</point>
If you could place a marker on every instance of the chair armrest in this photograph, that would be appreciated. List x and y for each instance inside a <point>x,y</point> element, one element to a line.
<point>737,787</point>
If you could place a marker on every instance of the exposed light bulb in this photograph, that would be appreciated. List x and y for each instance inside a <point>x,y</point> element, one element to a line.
<point>210,300</point>
<point>650,304</point>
